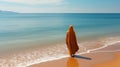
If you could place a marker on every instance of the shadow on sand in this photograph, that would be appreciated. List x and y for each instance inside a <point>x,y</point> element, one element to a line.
<point>82,57</point>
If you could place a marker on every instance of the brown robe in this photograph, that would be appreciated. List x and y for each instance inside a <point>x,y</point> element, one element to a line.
<point>71,41</point>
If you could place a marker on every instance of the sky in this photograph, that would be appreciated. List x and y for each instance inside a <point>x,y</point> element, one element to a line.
<point>61,6</point>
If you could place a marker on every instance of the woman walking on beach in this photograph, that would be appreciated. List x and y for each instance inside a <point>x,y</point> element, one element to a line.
<point>71,41</point>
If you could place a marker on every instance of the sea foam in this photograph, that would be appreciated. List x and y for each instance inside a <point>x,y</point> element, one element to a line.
<point>48,54</point>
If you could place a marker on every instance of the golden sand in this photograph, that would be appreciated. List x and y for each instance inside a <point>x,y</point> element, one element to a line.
<point>98,59</point>
<point>112,63</point>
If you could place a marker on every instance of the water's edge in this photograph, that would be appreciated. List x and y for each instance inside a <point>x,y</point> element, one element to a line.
<point>51,53</point>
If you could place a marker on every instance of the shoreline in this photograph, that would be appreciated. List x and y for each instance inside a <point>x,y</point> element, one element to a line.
<point>89,51</point>
<point>94,55</point>
<point>36,56</point>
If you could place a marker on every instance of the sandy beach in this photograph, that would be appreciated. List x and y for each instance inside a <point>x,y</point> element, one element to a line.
<point>105,57</point>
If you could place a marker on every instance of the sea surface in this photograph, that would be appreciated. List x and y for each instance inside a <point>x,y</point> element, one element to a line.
<point>30,38</point>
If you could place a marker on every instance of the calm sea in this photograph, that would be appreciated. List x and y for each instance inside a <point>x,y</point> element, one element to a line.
<point>21,30</point>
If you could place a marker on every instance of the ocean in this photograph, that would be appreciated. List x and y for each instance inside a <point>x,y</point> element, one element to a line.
<point>39,37</point>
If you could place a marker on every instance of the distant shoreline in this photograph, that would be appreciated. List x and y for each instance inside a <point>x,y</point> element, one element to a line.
<point>12,12</point>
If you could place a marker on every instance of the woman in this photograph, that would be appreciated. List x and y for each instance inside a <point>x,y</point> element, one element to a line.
<point>71,41</point>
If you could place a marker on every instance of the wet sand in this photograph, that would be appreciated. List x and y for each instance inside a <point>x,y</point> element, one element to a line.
<point>105,57</point>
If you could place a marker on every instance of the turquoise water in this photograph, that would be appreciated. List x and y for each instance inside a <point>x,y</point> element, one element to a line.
<point>42,28</point>
<point>23,31</point>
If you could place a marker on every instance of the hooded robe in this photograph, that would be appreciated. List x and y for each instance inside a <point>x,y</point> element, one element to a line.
<point>71,41</point>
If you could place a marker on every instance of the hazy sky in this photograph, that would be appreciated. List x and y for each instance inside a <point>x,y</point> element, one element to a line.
<point>61,6</point>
